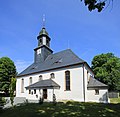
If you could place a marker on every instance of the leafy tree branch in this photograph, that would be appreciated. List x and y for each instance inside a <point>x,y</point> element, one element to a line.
<point>96,4</point>
<point>107,69</point>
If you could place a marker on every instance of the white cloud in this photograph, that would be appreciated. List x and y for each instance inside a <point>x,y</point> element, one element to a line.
<point>21,65</point>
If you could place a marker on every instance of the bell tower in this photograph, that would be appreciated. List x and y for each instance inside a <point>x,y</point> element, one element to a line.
<point>43,38</point>
<point>43,50</point>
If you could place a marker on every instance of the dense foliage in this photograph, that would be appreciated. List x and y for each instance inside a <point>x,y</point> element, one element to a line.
<point>2,102</point>
<point>107,69</point>
<point>7,72</point>
<point>96,4</point>
<point>12,89</point>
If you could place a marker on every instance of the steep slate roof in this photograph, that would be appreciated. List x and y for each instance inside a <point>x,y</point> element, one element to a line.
<point>49,84</point>
<point>93,83</point>
<point>57,60</point>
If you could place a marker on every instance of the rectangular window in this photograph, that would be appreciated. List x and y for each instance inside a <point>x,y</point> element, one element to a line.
<point>22,86</point>
<point>30,81</point>
<point>96,91</point>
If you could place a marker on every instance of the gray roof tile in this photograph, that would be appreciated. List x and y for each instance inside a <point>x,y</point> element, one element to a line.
<point>94,83</point>
<point>48,83</point>
<point>57,60</point>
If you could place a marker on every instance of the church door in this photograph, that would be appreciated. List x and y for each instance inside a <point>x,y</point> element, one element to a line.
<point>45,93</point>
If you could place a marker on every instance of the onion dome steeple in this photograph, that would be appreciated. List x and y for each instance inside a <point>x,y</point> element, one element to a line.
<point>43,38</point>
<point>43,32</point>
<point>43,50</point>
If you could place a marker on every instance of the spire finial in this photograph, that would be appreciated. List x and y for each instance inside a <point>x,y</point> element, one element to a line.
<point>43,20</point>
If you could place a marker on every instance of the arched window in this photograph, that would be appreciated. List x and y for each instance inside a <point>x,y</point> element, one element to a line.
<point>52,75</point>
<point>34,91</point>
<point>22,86</point>
<point>29,91</point>
<point>30,81</point>
<point>40,78</point>
<point>67,80</point>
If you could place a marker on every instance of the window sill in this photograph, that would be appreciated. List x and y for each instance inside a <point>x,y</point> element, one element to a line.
<point>67,90</point>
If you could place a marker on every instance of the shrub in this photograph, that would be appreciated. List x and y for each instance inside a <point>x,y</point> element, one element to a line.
<point>2,102</point>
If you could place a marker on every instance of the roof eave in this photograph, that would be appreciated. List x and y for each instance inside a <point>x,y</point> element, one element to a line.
<point>43,87</point>
<point>51,69</point>
<point>97,87</point>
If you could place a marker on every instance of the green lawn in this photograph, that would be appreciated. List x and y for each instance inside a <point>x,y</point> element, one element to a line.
<point>69,109</point>
<point>115,100</point>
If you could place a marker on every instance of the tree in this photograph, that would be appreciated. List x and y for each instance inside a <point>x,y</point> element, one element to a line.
<point>96,4</point>
<point>7,72</point>
<point>12,89</point>
<point>107,70</point>
<point>2,102</point>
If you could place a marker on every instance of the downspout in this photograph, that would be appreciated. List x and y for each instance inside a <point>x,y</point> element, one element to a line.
<point>83,83</point>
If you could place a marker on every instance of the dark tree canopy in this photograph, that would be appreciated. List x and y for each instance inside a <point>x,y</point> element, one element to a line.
<point>7,72</point>
<point>96,4</point>
<point>107,69</point>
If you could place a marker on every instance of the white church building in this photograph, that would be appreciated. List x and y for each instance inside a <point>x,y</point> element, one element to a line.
<point>62,74</point>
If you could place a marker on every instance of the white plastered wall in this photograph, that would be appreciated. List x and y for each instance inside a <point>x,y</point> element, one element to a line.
<point>101,97</point>
<point>90,94</point>
<point>76,82</point>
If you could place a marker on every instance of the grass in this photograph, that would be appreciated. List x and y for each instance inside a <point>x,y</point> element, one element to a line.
<point>115,100</point>
<point>69,109</point>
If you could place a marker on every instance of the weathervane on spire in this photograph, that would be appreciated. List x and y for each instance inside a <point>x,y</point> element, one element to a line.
<point>43,20</point>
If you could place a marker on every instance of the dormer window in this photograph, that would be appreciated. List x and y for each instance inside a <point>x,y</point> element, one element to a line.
<point>59,60</point>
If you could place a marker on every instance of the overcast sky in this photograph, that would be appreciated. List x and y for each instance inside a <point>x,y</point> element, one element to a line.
<point>68,22</point>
